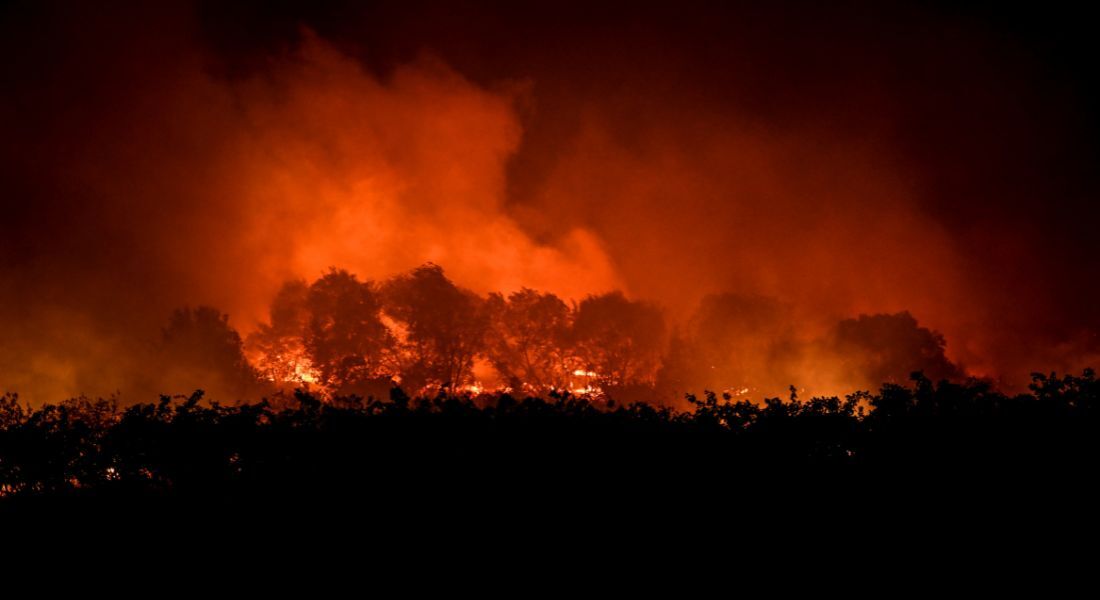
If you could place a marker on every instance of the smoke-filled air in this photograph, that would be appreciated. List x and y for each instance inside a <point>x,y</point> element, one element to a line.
<point>253,199</point>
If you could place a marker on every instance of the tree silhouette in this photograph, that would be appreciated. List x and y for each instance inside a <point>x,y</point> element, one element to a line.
<point>199,348</point>
<point>527,339</point>
<point>888,348</point>
<point>619,339</point>
<point>279,346</point>
<point>345,337</point>
<point>444,327</point>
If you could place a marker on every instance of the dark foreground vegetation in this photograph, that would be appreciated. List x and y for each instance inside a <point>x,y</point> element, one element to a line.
<point>493,453</point>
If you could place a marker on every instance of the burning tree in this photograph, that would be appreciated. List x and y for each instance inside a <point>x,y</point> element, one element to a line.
<point>619,340</point>
<point>442,325</point>
<point>345,337</point>
<point>278,348</point>
<point>528,339</point>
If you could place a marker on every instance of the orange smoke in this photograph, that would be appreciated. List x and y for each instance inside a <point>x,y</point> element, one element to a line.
<point>164,184</point>
<point>215,192</point>
<point>378,177</point>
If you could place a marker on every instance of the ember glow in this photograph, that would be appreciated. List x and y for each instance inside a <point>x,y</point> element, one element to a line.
<point>618,200</point>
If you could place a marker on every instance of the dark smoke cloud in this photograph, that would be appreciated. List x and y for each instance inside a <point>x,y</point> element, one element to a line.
<point>841,160</point>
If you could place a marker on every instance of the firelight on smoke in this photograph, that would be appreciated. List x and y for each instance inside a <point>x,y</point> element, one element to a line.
<point>675,205</point>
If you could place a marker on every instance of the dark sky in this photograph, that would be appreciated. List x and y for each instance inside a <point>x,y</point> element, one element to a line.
<point>845,157</point>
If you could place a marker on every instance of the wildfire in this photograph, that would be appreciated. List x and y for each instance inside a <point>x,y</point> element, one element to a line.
<point>290,367</point>
<point>304,371</point>
<point>586,386</point>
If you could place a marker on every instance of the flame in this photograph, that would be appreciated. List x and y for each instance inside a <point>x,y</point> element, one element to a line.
<point>473,388</point>
<point>304,371</point>
<point>289,367</point>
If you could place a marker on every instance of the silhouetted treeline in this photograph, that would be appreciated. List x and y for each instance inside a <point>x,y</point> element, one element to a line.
<point>344,336</point>
<point>469,448</point>
<point>340,336</point>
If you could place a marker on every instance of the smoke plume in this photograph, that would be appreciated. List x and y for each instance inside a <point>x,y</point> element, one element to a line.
<point>164,157</point>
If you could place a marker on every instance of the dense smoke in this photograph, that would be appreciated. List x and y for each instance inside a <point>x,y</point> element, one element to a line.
<point>198,190</point>
<point>759,200</point>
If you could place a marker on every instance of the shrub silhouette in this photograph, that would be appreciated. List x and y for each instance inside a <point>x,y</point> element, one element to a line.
<point>447,446</point>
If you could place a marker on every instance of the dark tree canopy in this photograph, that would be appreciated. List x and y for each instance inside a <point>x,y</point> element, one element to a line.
<point>888,348</point>
<point>444,326</point>
<point>619,339</point>
<point>528,339</point>
<point>279,346</point>
<point>199,349</point>
<point>345,336</point>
